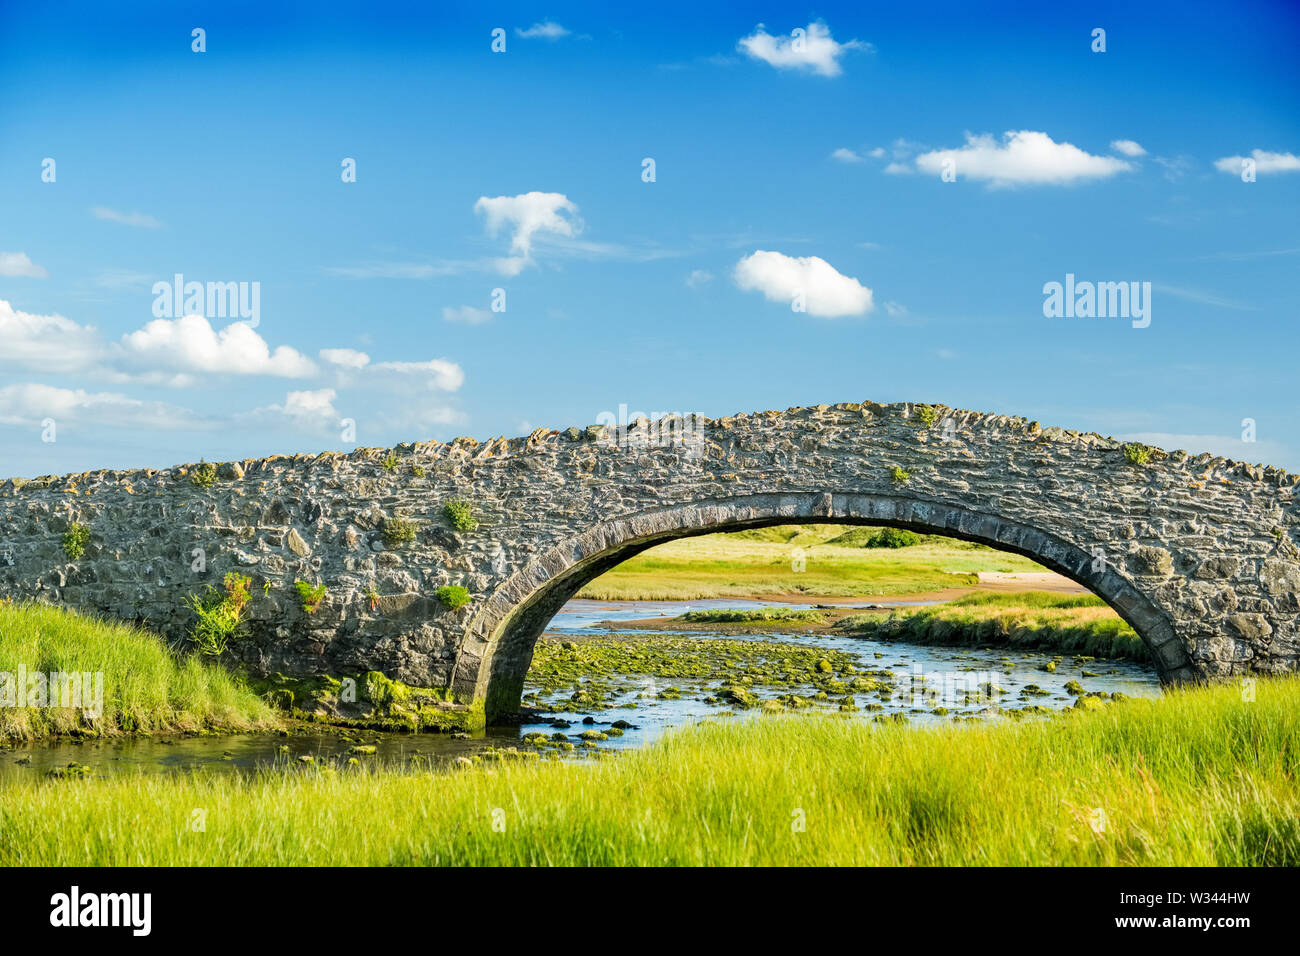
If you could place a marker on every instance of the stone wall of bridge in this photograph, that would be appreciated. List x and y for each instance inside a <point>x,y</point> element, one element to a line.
<point>1197,552</point>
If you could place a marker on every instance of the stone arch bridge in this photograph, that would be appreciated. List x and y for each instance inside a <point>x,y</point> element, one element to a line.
<point>1198,553</point>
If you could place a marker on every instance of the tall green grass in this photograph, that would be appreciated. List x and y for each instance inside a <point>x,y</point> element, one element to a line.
<point>1068,623</point>
<point>147,687</point>
<point>1199,777</point>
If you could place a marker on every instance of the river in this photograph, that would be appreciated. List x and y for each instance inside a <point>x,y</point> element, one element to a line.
<point>928,684</point>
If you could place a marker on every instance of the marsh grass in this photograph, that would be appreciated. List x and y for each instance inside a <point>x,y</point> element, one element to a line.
<point>835,561</point>
<point>1198,777</point>
<point>147,686</point>
<point>752,616</point>
<point>1069,623</point>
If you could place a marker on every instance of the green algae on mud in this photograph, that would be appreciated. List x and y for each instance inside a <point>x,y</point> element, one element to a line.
<point>595,666</point>
<point>1202,776</point>
<point>369,701</point>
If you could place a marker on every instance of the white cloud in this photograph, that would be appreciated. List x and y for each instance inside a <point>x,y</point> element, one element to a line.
<point>780,278</point>
<point>190,344</point>
<point>1128,147</point>
<point>895,309</point>
<point>137,219</point>
<point>17,264</point>
<point>816,51</point>
<point>47,343</point>
<point>546,30</point>
<point>308,411</point>
<point>845,155</point>
<point>877,153</point>
<point>30,404</point>
<point>699,277</point>
<point>527,215</point>
<point>898,169</point>
<point>345,358</point>
<point>1025,157</point>
<point>1265,162</point>
<point>465,313</point>
<point>438,374</point>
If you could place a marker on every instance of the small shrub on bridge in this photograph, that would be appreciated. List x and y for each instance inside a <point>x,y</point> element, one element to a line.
<point>927,416</point>
<point>310,596</point>
<point>219,614</point>
<point>899,476</point>
<point>389,462</point>
<point>1137,454</point>
<point>204,475</point>
<point>398,531</point>
<point>453,596</point>
<point>75,540</point>
<point>459,513</point>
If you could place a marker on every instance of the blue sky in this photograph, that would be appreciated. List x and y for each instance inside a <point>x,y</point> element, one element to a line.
<point>783,166</point>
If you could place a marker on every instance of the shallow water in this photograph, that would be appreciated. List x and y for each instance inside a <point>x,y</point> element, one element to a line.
<point>948,672</point>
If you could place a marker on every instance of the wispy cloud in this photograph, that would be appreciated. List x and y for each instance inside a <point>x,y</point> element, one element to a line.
<point>811,49</point>
<point>17,264</point>
<point>545,30</point>
<point>137,219</point>
<point>1201,297</point>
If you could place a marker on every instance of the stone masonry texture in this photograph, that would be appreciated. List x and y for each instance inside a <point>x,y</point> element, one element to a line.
<point>1198,553</point>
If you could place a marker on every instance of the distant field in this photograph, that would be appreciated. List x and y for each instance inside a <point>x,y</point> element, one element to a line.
<point>835,564</point>
<point>1069,624</point>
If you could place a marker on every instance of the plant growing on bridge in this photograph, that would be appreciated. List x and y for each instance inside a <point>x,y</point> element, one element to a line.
<point>204,474</point>
<point>309,595</point>
<point>459,513</point>
<point>398,531</point>
<point>452,596</point>
<point>926,415</point>
<point>372,595</point>
<point>417,471</point>
<point>899,476</point>
<point>389,462</point>
<point>1136,453</point>
<point>219,614</point>
<point>75,540</point>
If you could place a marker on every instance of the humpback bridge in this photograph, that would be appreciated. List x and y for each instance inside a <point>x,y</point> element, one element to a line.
<point>1197,553</point>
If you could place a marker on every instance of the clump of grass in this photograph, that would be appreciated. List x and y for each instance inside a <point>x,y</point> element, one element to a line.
<point>1136,453</point>
<point>219,613</point>
<point>751,615</point>
<point>75,540</point>
<point>459,513</point>
<point>389,462</point>
<point>372,596</point>
<point>452,596</point>
<point>310,596</point>
<point>926,415</point>
<point>899,476</point>
<point>398,531</point>
<point>204,475</point>
<point>147,687</point>
<point>417,471</point>
<point>1069,623</point>
<point>1199,777</point>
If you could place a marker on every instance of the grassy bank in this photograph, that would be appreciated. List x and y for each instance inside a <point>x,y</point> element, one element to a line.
<point>1068,623</point>
<point>1198,777</point>
<point>835,559</point>
<point>146,687</point>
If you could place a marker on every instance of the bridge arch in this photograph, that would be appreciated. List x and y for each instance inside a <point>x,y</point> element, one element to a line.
<point>498,646</point>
